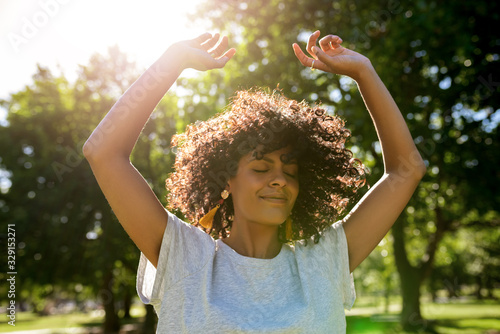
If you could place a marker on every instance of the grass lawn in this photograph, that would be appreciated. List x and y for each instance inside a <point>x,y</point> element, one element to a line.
<point>455,318</point>
<point>66,323</point>
<point>471,317</point>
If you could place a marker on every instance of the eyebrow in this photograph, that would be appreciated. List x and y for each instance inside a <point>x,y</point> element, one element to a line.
<point>292,162</point>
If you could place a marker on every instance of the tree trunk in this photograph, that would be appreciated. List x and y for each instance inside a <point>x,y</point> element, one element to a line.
<point>452,293</point>
<point>127,303</point>
<point>387,293</point>
<point>479,281</point>
<point>413,276</point>
<point>149,324</point>
<point>111,321</point>
<point>410,288</point>
<point>490,287</point>
<point>411,318</point>
<point>433,289</point>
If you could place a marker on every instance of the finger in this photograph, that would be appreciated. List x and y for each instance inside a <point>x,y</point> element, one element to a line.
<point>332,49</point>
<point>229,53</point>
<point>202,38</point>
<point>312,42</point>
<point>323,59</point>
<point>222,61</point>
<point>210,43</point>
<point>219,49</point>
<point>329,42</point>
<point>301,56</point>
<point>308,61</point>
<point>211,63</point>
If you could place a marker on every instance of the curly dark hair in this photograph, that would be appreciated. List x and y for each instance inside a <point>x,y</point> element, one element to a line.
<point>208,154</point>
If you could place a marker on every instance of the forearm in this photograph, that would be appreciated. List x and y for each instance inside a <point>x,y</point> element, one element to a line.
<point>398,149</point>
<point>117,133</point>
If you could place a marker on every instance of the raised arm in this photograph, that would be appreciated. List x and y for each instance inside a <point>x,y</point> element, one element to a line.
<point>109,147</point>
<point>372,217</point>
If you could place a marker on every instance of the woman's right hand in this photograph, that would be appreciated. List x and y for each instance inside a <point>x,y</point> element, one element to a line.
<point>203,53</point>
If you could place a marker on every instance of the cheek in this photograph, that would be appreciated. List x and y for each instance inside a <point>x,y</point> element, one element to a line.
<point>295,186</point>
<point>246,188</point>
<point>294,191</point>
<point>254,181</point>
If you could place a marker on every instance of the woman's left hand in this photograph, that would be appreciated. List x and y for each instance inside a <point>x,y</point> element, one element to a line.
<point>332,57</point>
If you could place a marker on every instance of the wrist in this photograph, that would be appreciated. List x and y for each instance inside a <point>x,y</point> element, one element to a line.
<point>365,70</point>
<point>172,59</point>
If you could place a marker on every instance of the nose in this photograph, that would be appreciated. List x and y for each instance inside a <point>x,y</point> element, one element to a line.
<point>278,179</point>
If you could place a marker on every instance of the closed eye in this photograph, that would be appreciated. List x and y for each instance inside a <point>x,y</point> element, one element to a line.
<point>263,171</point>
<point>260,171</point>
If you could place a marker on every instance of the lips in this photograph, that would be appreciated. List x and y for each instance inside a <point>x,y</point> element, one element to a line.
<point>275,196</point>
<point>280,199</point>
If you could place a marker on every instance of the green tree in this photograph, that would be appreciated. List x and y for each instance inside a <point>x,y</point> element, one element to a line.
<point>438,61</point>
<point>67,235</point>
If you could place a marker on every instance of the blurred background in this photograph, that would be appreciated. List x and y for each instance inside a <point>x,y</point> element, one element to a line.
<point>72,268</point>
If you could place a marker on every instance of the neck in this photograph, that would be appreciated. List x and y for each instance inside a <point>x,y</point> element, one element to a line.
<point>254,240</point>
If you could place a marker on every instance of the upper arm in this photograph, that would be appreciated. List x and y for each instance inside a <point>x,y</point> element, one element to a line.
<point>373,216</point>
<point>134,203</point>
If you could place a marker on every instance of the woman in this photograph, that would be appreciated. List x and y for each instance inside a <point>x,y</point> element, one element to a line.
<point>264,178</point>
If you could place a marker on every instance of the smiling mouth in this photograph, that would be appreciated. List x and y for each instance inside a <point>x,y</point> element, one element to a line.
<point>276,200</point>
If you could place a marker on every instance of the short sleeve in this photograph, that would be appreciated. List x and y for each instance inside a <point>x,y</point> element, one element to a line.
<point>184,250</point>
<point>334,242</point>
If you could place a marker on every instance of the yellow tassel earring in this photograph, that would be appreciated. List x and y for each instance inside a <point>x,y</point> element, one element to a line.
<point>288,228</point>
<point>206,220</point>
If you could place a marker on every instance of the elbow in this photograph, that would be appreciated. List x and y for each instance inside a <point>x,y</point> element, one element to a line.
<point>87,149</point>
<point>413,168</point>
<point>90,151</point>
<point>418,172</point>
<point>99,155</point>
<point>420,169</point>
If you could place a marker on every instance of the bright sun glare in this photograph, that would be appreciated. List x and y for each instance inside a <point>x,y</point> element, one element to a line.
<point>68,32</point>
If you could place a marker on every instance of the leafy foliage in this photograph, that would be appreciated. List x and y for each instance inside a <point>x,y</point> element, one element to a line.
<point>437,59</point>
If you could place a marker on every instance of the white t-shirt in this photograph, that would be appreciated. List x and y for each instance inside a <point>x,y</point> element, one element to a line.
<point>202,285</point>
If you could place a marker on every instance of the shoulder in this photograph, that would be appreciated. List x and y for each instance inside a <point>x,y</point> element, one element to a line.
<point>332,234</point>
<point>185,243</point>
<point>181,232</point>
<point>330,250</point>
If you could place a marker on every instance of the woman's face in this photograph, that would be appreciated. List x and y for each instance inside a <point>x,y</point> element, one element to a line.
<point>264,191</point>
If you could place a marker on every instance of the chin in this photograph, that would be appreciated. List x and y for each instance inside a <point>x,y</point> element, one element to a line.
<point>272,220</point>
